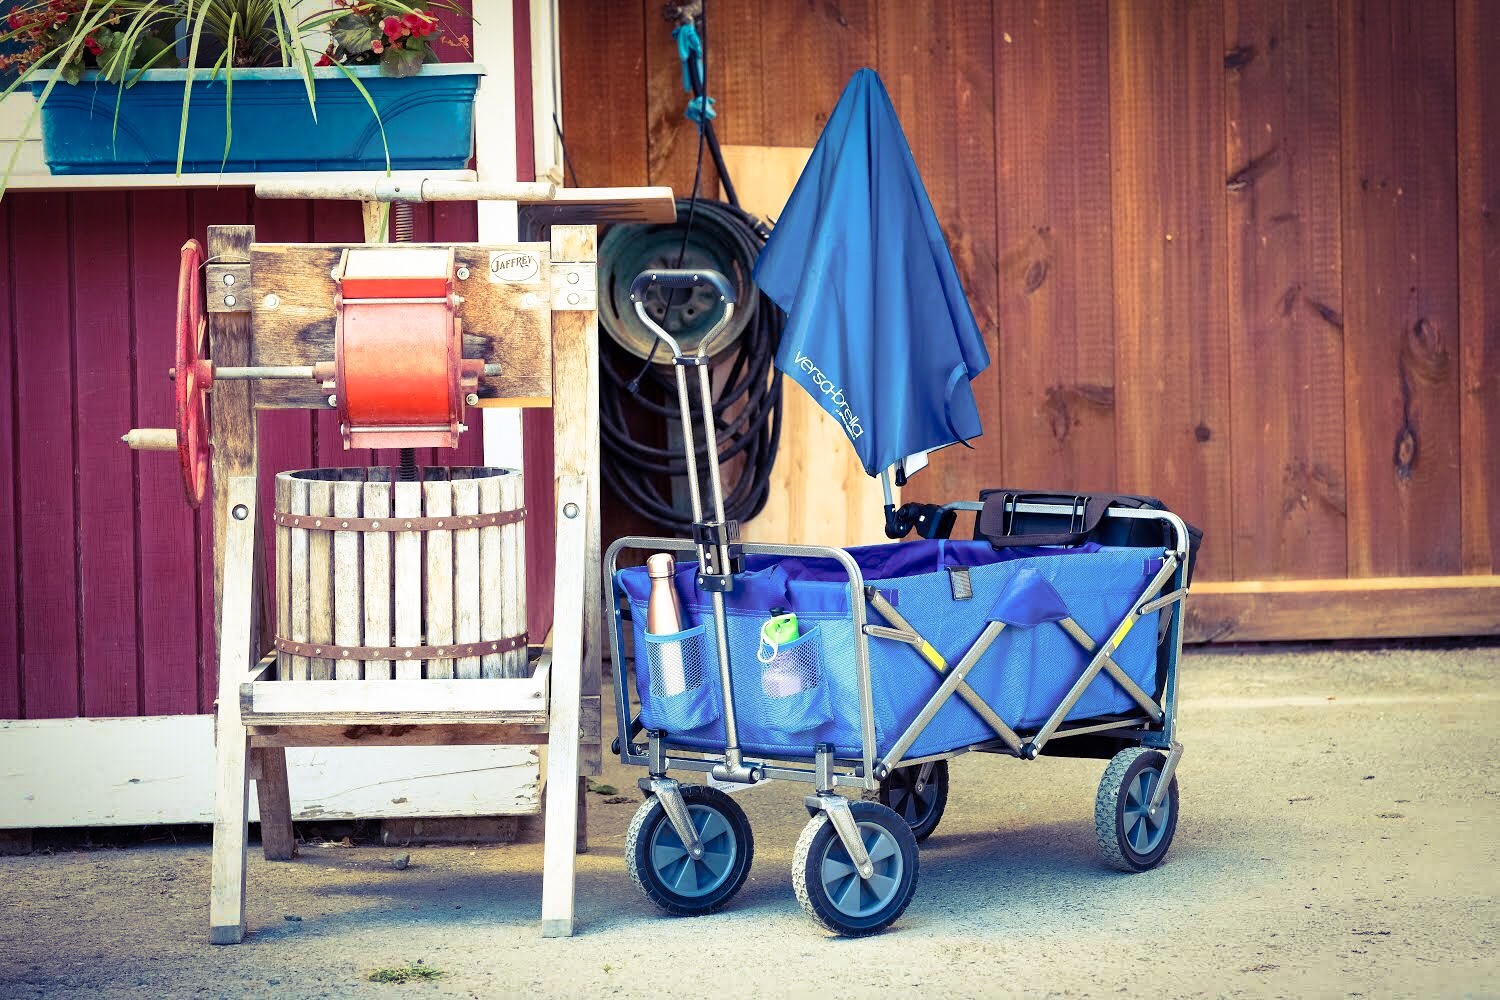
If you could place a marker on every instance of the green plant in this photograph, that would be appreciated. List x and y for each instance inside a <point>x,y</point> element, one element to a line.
<point>406,974</point>
<point>121,39</point>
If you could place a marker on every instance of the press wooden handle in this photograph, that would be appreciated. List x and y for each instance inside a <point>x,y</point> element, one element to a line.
<point>151,438</point>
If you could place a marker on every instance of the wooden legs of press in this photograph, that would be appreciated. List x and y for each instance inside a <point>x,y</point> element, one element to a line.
<point>241,742</point>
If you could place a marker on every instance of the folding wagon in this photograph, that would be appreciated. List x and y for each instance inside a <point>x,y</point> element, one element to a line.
<point>908,655</point>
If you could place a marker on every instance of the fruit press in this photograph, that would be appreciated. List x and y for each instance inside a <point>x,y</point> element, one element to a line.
<point>399,616</point>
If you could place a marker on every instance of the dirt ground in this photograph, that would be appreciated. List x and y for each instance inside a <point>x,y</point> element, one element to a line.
<point>1338,837</point>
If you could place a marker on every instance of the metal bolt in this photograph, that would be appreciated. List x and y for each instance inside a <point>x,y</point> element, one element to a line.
<point>472,399</point>
<point>463,273</point>
<point>570,510</point>
<point>230,300</point>
<point>572,298</point>
<point>240,512</point>
<point>572,277</point>
<point>333,401</point>
<point>272,301</point>
<point>228,278</point>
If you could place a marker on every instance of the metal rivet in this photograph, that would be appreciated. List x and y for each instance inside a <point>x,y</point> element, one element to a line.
<point>344,523</point>
<point>346,654</point>
<point>240,512</point>
<point>570,510</point>
<point>471,522</point>
<point>463,273</point>
<point>272,301</point>
<point>230,300</point>
<point>318,651</point>
<point>228,278</point>
<point>408,524</point>
<point>472,399</point>
<point>374,524</point>
<point>573,298</point>
<point>572,277</point>
<point>333,401</point>
<point>440,524</point>
<point>408,654</point>
<point>318,523</point>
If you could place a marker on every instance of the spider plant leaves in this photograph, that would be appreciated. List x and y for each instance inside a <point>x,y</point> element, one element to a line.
<point>195,37</point>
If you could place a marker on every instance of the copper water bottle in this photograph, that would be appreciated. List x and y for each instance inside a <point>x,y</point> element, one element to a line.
<point>664,617</point>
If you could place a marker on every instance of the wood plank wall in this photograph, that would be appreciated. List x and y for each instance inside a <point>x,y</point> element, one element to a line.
<point>1243,255</point>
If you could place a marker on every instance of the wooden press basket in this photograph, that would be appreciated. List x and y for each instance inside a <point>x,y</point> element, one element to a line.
<point>379,580</point>
<point>404,597</point>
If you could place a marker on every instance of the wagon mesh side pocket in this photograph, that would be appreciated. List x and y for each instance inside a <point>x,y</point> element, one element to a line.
<point>681,695</point>
<point>794,686</point>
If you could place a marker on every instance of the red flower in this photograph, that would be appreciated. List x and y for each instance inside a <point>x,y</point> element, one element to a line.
<point>393,27</point>
<point>419,23</point>
<point>323,60</point>
<point>377,46</point>
<point>92,45</point>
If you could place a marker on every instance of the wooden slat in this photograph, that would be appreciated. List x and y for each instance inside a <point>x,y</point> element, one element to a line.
<point>493,574</point>
<point>1285,289</point>
<point>735,69</point>
<point>320,573</point>
<point>45,460</point>
<point>502,322</point>
<point>943,53</point>
<point>517,701</point>
<point>1400,246</point>
<point>283,575</point>
<point>513,600</point>
<point>575,371</point>
<point>466,574</point>
<point>377,573</point>
<point>348,577</point>
<point>164,523</point>
<point>671,139</point>
<point>1055,301</point>
<point>377,735</point>
<point>10,611</point>
<point>100,238</point>
<point>808,52</point>
<point>1169,258</point>
<point>1365,608</point>
<point>299,667</point>
<point>604,91</point>
<point>437,501</point>
<point>407,591</point>
<point>1478,32</point>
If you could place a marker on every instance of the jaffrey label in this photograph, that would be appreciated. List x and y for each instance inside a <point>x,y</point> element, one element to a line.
<point>514,266</point>
<point>834,395</point>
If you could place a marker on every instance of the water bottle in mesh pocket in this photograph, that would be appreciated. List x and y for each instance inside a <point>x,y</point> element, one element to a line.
<point>794,695</point>
<point>683,692</point>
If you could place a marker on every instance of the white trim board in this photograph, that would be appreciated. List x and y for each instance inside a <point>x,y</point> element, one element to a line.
<point>159,769</point>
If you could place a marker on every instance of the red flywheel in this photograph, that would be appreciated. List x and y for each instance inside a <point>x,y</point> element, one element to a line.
<point>194,376</point>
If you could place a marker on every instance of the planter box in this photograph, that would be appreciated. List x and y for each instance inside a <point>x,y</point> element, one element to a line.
<point>428,121</point>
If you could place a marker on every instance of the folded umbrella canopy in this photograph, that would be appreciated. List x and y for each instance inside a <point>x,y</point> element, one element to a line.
<point>878,328</point>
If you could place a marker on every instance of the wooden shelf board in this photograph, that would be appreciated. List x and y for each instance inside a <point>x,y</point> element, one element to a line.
<point>146,182</point>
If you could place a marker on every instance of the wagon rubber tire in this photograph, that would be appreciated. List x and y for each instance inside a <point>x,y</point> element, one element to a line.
<point>823,877</point>
<point>662,869</point>
<point>923,811</point>
<point>1129,837</point>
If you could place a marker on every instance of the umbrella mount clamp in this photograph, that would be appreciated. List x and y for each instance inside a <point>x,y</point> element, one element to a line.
<point>719,553</point>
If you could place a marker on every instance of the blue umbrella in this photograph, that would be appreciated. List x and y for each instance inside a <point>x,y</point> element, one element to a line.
<point>878,329</point>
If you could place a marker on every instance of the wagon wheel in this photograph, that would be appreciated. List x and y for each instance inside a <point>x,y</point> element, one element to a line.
<point>194,376</point>
<point>672,878</point>
<point>1131,836</point>
<point>918,800</point>
<point>831,889</point>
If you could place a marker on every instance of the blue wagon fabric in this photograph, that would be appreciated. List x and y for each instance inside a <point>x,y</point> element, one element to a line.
<point>1023,676</point>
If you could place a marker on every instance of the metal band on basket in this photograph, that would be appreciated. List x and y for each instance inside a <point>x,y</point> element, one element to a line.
<point>452,522</point>
<point>334,651</point>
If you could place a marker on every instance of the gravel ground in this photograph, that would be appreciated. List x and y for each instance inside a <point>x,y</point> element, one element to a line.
<point>1338,837</point>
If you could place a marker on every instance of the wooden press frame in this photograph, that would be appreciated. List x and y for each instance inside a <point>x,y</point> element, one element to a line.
<point>257,718</point>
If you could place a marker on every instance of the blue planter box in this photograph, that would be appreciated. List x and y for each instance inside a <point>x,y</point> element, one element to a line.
<point>428,121</point>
